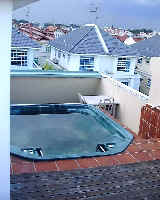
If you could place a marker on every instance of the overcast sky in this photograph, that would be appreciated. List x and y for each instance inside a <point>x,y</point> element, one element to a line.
<point>121,13</point>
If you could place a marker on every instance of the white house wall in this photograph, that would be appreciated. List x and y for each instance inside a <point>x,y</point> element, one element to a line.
<point>30,58</point>
<point>135,82</point>
<point>52,53</point>
<point>74,63</point>
<point>104,64</point>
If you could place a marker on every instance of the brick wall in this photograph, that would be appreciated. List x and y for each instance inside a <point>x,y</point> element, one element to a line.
<point>149,122</point>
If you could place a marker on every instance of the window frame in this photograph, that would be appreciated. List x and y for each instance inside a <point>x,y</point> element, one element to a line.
<point>19,57</point>
<point>87,63</point>
<point>123,64</point>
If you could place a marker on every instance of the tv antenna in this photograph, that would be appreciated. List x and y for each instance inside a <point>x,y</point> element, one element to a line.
<point>94,11</point>
<point>28,13</point>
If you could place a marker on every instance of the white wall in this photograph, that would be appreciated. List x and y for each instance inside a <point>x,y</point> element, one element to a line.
<point>155,84</point>
<point>74,63</point>
<point>5,58</point>
<point>130,101</point>
<point>30,55</point>
<point>135,82</point>
<point>52,56</point>
<point>37,90</point>
<point>104,64</point>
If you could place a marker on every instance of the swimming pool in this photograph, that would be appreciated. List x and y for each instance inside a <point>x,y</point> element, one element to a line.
<point>64,131</point>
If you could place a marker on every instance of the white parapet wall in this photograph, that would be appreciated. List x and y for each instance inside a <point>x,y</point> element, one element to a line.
<point>130,101</point>
<point>39,89</point>
<point>155,86</point>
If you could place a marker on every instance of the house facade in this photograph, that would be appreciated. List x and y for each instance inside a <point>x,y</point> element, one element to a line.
<point>147,49</point>
<point>92,49</point>
<point>23,51</point>
<point>144,69</point>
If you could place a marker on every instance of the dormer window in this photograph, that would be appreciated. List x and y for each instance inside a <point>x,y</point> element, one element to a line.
<point>123,64</point>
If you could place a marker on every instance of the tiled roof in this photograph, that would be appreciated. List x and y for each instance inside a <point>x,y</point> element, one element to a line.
<point>138,39</point>
<point>149,47</point>
<point>86,41</point>
<point>122,38</point>
<point>21,40</point>
<point>116,47</point>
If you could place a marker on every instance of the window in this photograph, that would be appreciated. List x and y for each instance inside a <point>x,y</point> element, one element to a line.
<point>149,83</point>
<point>123,64</point>
<point>139,61</point>
<point>125,83</point>
<point>148,59</point>
<point>19,57</point>
<point>86,63</point>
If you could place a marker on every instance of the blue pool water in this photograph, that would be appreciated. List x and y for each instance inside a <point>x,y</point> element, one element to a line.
<point>63,131</point>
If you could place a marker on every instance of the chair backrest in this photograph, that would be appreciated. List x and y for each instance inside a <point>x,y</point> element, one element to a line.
<point>81,99</point>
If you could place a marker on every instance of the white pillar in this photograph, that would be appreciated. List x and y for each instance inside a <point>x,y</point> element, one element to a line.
<point>5,46</point>
<point>30,57</point>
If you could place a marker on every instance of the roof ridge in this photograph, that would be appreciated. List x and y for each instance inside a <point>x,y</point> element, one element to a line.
<point>81,39</point>
<point>99,35</point>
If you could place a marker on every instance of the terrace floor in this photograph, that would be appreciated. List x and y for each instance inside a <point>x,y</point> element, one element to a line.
<point>140,150</point>
<point>140,181</point>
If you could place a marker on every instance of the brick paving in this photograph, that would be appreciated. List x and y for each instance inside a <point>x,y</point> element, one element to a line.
<point>140,181</point>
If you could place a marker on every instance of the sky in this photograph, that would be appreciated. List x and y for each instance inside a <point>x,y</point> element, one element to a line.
<point>119,13</point>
